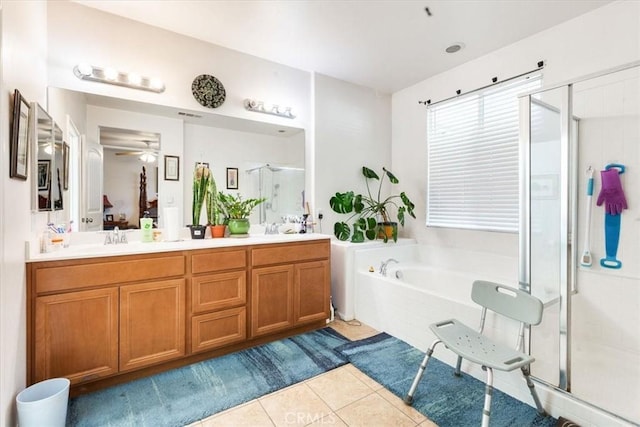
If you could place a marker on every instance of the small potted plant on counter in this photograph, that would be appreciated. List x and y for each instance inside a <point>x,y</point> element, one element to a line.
<point>371,213</point>
<point>201,178</point>
<point>214,216</point>
<point>236,211</point>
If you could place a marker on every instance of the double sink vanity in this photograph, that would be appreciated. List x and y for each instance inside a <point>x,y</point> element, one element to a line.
<point>104,314</point>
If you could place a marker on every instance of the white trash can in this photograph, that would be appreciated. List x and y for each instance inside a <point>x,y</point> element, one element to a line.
<point>44,404</point>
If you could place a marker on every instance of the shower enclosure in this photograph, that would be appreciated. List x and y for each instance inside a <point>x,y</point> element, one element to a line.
<point>589,342</point>
<point>282,186</point>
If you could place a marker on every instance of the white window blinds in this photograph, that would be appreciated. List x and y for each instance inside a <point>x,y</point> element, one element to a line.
<point>473,158</point>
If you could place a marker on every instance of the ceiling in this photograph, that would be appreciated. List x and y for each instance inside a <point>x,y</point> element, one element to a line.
<point>383,44</point>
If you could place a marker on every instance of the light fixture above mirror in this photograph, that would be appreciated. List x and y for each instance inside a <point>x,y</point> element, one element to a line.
<point>119,78</point>
<point>274,109</point>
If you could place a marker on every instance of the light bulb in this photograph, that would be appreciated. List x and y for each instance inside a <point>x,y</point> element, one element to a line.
<point>147,158</point>
<point>85,69</point>
<point>156,83</point>
<point>289,112</point>
<point>134,78</point>
<point>110,74</point>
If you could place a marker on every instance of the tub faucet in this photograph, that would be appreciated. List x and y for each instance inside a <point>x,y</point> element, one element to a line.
<point>383,266</point>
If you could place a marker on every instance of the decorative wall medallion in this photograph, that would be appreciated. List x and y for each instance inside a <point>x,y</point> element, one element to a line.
<point>208,91</point>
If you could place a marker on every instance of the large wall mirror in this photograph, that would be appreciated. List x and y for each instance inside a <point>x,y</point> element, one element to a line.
<point>49,181</point>
<point>122,136</point>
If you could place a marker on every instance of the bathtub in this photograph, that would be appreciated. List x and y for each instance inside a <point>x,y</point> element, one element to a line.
<point>414,294</point>
<point>410,298</point>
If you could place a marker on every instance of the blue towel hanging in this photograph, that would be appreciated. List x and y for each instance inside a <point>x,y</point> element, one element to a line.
<point>612,231</point>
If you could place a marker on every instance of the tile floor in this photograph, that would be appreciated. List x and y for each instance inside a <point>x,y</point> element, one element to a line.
<point>342,397</point>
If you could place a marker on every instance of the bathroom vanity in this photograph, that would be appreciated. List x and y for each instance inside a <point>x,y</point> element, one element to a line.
<point>114,315</point>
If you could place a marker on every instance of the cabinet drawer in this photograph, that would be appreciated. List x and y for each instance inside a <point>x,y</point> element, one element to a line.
<point>213,261</point>
<point>290,253</point>
<point>50,279</point>
<point>213,330</point>
<point>218,291</point>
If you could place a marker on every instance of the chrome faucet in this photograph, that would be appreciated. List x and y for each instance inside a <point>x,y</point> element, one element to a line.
<point>383,266</point>
<point>115,237</point>
<point>271,228</point>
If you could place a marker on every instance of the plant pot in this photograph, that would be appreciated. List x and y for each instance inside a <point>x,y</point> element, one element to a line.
<point>388,230</point>
<point>217,230</point>
<point>197,231</point>
<point>238,227</point>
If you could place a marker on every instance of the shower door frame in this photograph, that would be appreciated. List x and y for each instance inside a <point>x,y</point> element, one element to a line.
<point>568,206</point>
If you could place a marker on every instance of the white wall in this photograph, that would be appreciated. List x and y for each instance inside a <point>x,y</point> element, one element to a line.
<point>23,49</point>
<point>109,40</point>
<point>577,47</point>
<point>352,130</point>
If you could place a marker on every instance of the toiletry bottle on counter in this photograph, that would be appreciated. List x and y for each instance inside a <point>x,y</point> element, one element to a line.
<point>146,227</point>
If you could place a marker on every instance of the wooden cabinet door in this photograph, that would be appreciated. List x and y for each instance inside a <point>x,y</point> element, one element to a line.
<point>76,335</point>
<point>152,323</point>
<point>311,292</point>
<point>271,299</point>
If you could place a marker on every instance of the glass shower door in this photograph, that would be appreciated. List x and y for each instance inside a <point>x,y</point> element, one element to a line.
<point>588,343</point>
<point>548,154</point>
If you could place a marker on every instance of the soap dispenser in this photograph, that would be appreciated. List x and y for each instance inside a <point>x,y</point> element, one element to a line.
<point>146,226</point>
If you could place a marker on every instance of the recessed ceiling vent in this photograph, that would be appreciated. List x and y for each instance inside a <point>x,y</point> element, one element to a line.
<point>454,48</point>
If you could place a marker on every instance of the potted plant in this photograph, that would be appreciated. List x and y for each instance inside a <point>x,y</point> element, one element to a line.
<point>371,213</point>
<point>216,226</point>
<point>201,178</point>
<point>236,211</point>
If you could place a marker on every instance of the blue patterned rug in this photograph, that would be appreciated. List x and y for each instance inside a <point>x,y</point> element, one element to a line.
<point>191,393</point>
<point>447,400</point>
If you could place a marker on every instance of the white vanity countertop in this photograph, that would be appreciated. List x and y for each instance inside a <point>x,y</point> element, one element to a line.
<point>85,248</point>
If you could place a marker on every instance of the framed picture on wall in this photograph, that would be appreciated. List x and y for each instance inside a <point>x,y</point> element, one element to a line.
<point>19,150</point>
<point>43,174</point>
<point>109,217</point>
<point>171,168</point>
<point>232,178</point>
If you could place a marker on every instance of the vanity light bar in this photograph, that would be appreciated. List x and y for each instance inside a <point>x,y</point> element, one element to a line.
<point>119,78</point>
<point>261,107</point>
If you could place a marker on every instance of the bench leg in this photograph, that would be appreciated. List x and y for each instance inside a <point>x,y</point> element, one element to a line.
<point>458,365</point>
<point>526,372</point>
<point>488,391</point>
<point>408,400</point>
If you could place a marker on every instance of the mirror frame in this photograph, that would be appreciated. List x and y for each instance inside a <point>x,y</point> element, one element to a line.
<point>39,115</point>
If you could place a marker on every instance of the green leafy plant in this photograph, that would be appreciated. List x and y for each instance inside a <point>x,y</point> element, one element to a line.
<point>201,179</point>
<point>370,212</point>
<point>235,207</point>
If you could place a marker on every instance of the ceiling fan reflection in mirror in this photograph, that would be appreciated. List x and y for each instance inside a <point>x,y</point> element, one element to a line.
<point>145,145</point>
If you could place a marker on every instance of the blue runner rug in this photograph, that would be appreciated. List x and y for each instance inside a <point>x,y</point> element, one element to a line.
<point>447,400</point>
<point>191,393</point>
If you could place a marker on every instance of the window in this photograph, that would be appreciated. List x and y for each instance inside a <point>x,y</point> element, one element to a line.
<point>472,163</point>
